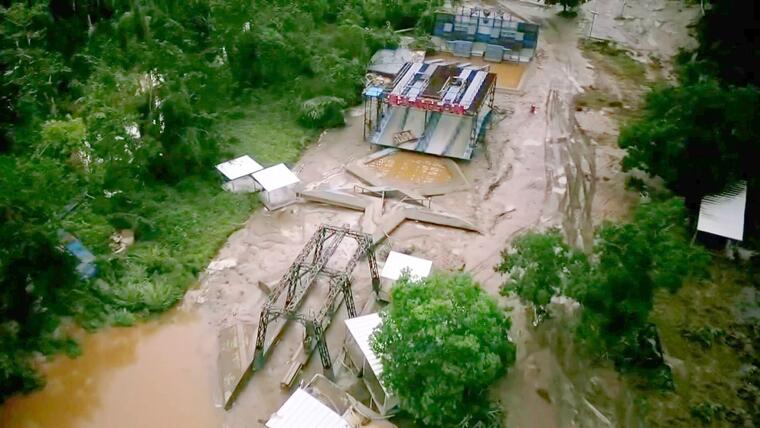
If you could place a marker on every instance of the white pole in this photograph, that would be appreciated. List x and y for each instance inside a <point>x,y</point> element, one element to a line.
<point>593,19</point>
<point>622,9</point>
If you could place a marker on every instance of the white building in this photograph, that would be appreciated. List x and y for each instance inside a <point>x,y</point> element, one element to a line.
<point>280,186</point>
<point>362,356</point>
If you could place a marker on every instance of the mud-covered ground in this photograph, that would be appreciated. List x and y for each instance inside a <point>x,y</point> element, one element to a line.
<point>558,167</point>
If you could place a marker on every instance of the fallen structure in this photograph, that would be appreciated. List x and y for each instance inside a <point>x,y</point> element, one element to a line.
<point>284,301</point>
<point>431,107</point>
<point>393,218</point>
<point>322,404</point>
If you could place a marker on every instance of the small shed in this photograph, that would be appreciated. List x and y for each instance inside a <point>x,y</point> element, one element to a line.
<point>723,214</point>
<point>304,410</point>
<point>238,167</point>
<point>397,263</point>
<point>280,186</point>
<point>237,174</point>
<point>362,356</point>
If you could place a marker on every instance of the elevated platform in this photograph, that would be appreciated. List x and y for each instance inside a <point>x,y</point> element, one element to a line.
<point>435,133</point>
<point>435,107</point>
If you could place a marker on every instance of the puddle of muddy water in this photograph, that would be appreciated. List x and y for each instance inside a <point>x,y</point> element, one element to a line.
<point>157,374</point>
<point>414,168</point>
<point>508,75</point>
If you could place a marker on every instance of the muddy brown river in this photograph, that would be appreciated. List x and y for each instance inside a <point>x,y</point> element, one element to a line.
<point>156,374</point>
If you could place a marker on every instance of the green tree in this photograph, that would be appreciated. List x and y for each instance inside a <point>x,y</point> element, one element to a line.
<point>571,4</point>
<point>699,138</point>
<point>443,341</point>
<point>615,284</point>
<point>539,266</point>
<point>35,274</point>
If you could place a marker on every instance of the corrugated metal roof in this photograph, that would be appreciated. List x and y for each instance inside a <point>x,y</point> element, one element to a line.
<point>396,263</point>
<point>275,177</point>
<point>723,214</point>
<point>361,328</point>
<point>302,410</point>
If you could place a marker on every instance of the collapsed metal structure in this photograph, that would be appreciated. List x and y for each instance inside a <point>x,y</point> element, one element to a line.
<point>310,264</point>
<point>433,107</point>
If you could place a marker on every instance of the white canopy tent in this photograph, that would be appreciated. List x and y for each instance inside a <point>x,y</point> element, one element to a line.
<point>303,410</point>
<point>280,186</point>
<point>723,214</point>
<point>363,357</point>
<point>397,263</point>
<point>238,167</point>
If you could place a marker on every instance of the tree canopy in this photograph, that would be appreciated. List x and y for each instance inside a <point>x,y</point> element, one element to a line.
<point>700,138</point>
<point>539,266</point>
<point>615,284</point>
<point>701,135</point>
<point>442,343</point>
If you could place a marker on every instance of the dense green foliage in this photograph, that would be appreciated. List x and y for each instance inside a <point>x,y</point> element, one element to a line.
<point>112,116</point>
<point>442,343</point>
<point>615,285</point>
<point>540,266</point>
<point>701,136</point>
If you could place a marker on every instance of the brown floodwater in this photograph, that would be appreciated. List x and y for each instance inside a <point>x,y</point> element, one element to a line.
<point>508,74</point>
<point>156,374</point>
<point>417,168</point>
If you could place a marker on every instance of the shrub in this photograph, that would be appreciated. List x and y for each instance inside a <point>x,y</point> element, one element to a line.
<point>322,112</point>
<point>442,342</point>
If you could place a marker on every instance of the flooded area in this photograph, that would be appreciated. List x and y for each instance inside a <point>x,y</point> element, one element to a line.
<point>535,171</point>
<point>410,167</point>
<point>156,374</point>
<point>508,75</point>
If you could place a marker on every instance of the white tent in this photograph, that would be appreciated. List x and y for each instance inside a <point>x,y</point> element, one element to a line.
<point>723,214</point>
<point>302,410</point>
<point>238,167</point>
<point>280,186</point>
<point>398,262</point>
<point>363,357</point>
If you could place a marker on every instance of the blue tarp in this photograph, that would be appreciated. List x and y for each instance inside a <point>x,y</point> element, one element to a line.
<point>86,267</point>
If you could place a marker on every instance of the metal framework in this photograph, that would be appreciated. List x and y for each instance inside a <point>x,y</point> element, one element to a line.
<point>308,266</point>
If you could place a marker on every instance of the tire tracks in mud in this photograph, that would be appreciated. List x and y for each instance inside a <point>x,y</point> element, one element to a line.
<point>570,162</point>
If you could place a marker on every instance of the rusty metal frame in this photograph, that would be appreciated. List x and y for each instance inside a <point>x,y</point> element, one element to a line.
<point>308,266</point>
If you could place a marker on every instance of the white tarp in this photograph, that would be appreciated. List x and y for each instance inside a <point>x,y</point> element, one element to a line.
<point>723,214</point>
<point>361,329</point>
<point>275,177</point>
<point>239,167</point>
<point>398,262</point>
<point>302,410</point>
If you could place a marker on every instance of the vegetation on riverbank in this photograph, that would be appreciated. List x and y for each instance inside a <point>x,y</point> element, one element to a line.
<point>118,125</point>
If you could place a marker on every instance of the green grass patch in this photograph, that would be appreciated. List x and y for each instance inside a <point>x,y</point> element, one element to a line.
<point>614,60</point>
<point>267,129</point>
<point>700,331</point>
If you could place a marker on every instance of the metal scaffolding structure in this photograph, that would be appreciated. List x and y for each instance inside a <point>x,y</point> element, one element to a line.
<point>310,264</point>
